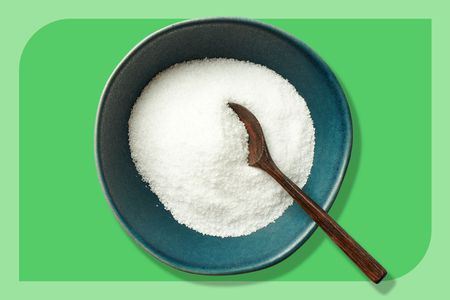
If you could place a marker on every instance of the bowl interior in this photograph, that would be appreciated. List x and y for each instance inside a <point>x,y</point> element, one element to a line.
<point>138,208</point>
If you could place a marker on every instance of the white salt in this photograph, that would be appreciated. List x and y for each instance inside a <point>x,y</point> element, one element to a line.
<point>191,148</point>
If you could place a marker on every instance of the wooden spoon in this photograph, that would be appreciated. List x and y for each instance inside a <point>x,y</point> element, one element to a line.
<point>259,157</point>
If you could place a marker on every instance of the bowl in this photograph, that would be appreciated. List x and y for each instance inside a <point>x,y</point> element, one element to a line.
<point>139,210</point>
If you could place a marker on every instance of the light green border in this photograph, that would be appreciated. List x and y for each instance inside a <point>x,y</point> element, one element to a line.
<point>19,20</point>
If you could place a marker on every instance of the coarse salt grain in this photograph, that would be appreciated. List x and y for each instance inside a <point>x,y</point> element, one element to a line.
<point>191,148</point>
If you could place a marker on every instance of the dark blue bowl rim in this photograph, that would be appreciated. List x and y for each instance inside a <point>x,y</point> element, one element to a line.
<point>327,204</point>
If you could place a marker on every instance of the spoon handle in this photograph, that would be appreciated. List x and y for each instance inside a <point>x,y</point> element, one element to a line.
<point>366,263</point>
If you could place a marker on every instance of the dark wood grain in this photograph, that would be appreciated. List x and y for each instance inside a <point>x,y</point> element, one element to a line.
<point>259,157</point>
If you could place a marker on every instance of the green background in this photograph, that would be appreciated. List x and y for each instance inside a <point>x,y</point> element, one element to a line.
<point>385,67</point>
<point>20,19</point>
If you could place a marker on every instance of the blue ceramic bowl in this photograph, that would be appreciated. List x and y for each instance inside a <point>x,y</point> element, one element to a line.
<point>136,207</point>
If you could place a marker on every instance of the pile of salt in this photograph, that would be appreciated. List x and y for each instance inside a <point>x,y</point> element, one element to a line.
<point>191,148</point>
